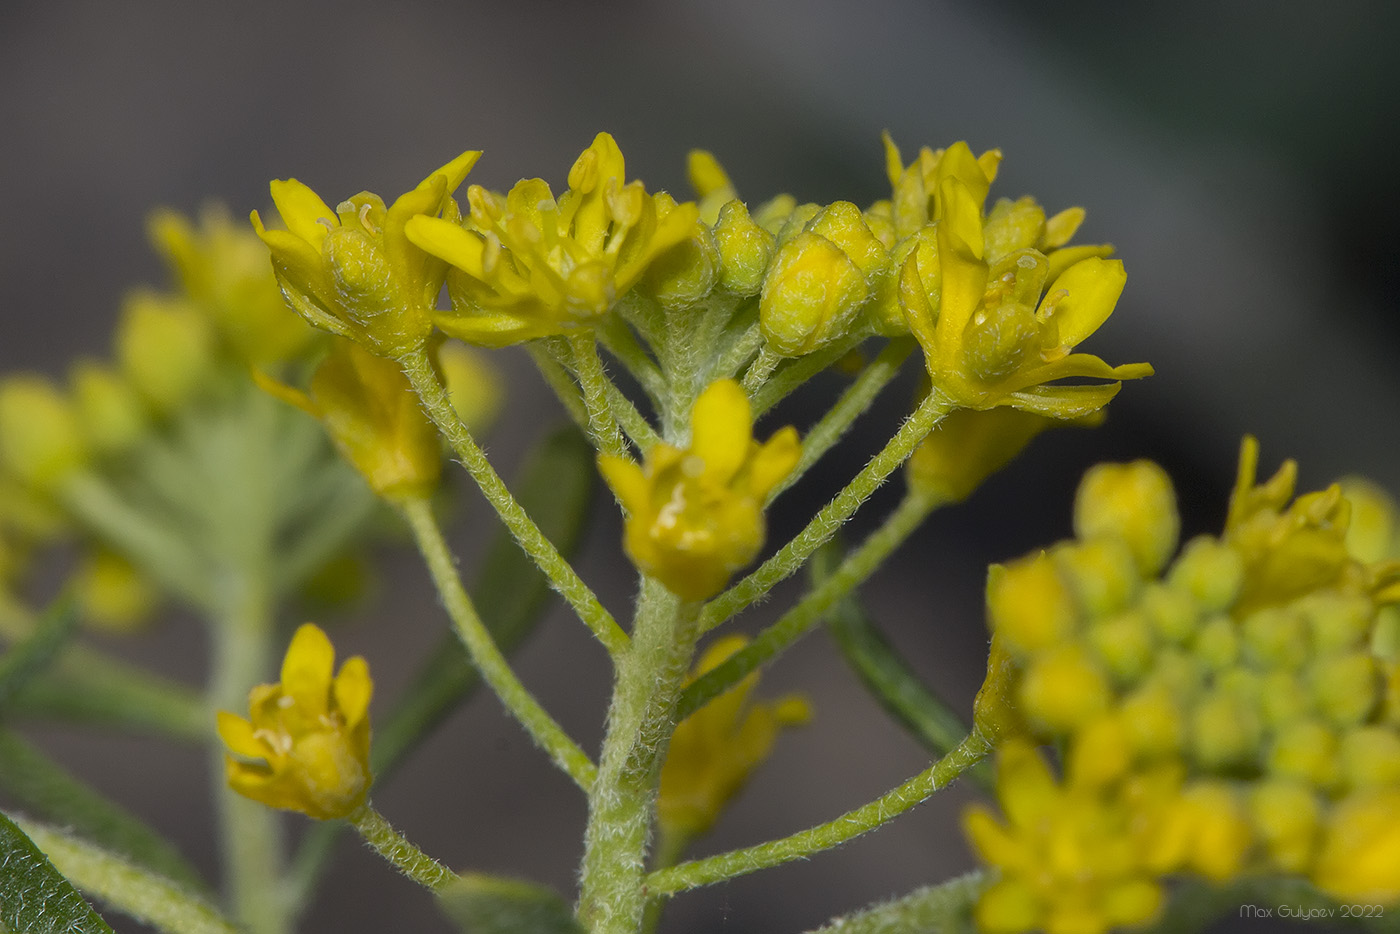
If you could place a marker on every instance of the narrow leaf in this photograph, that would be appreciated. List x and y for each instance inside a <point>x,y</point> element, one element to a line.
<point>136,892</point>
<point>493,905</point>
<point>26,659</point>
<point>34,896</point>
<point>889,678</point>
<point>45,788</point>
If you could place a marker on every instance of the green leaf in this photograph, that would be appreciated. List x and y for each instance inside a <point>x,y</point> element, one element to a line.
<point>555,487</point>
<point>888,677</point>
<point>44,787</point>
<point>494,905</point>
<point>136,892</point>
<point>34,896</point>
<point>26,659</point>
<point>89,687</point>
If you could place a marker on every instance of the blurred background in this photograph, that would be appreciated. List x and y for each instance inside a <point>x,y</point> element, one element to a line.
<point>1240,156</point>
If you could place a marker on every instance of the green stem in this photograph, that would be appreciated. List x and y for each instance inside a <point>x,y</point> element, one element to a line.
<point>942,907</point>
<point>619,340</point>
<point>31,656</point>
<point>740,351</point>
<point>853,403</point>
<point>250,833</point>
<point>637,428</point>
<point>826,522</point>
<point>561,575</point>
<point>145,896</point>
<point>557,378</point>
<point>483,650</point>
<point>390,844</point>
<point>760,369</point>
<point>641,718</point>
<point>588,367</point>
<point>848,826</point>
<point>797,371</point>
<point>810,611</point>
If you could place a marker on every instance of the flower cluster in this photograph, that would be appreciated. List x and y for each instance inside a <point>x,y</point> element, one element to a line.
<point>1234,710</point>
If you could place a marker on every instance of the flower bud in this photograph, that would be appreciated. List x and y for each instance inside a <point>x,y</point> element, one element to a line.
<point>1171,610</point>
<point>1212,572</point>
<point>1286,816</point>
<point>1359,860</point>
<point>40,441</point>
<point>995,713</point>
<point>1134,502</point>
<point>1153,721</point>
<point>112,595</point>
<point>165,348</point>
<point>744,249</point>
<point>1028,605</point>
<point>1062,689</point>
<point>109,411</point>
<point>1371,757</point>
<point>1217,643</point>
<point>1101,573</point>
<point>1345,687</point>
<point>1306,750</point>
<point>811,293</point>
<point>1225,732</point>
<point>684,274</point>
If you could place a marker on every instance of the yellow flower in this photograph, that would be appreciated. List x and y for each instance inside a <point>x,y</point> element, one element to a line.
<point>695,516</point>
<point>112,594</point>
<point>1288,550</point>
<point>916,186</point>
<point>165,348</point>
<point>41,441</point>
<point>989,338</point>
<point>305,746</point>
<point>352,271</point>
<point>715,749</point>
<point>1069,862</point>
<point>223,269</point>
<point>527,265</point>
<point>967,447</point>
<point>373,418</point>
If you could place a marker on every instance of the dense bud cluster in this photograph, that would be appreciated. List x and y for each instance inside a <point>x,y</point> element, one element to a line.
<point>1230,712</point>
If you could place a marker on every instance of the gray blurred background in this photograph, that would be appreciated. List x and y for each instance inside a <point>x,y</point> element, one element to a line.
<point>1241,157</point>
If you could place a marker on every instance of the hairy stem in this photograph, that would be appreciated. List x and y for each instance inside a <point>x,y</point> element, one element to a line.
<point>826,522</point>
<point>848,826</point>
<point>641,718</point>
<point>602,424</point>
<point>561,574</point>
<point>390,844</point>
<point>800,620</point>
<point>485,654</point>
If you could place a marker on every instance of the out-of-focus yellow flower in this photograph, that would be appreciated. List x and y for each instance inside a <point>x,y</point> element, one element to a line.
<point>374,419</point>
<point>988,337</point>
<point>967,447</point>
<point>165,348</point>
<point>223,268</point>
<point>305,745</point>
<point>1068,859</point>
<point>1028,604</point>
<point>1135,502</point>
<point>527,265</point>
<point>695,516</point>
<point>108,408</point>
<point>474,384</point>
<point>715,749</point>
<point>1287,549</point>
<point>1359,859</point>
<point>353,271</point>
<point>112,595</point>
<point>41,442</point>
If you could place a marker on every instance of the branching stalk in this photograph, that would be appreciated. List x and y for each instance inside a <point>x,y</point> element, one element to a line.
<point>486,655</point>
<point>394,847</point>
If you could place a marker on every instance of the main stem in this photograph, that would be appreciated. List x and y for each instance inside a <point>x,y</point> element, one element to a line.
<point>251,833</point>
<point>640,720</point>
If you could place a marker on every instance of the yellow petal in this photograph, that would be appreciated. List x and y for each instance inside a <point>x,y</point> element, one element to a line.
<point>455,172</point>
<point>1062,259</point>
<point>307,669</point>
<point>280,390</point>
<point>495,330</point>
<point>1060,229</point>
<point>302,210</point>
<point>448,242</point>
<point>239,736</point>
<point>894,163</point>
<point>774,461</point>
<point>353,689</point>
<point>1083,297</point>
<point>1064,402</point>
<point>707,176</point>
<point>628,482</point>
<point>958,162</point>
<point>721,428</point>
